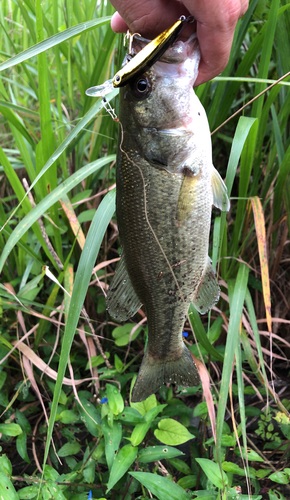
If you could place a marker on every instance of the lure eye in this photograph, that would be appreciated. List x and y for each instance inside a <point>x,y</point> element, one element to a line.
<point>141,87</point>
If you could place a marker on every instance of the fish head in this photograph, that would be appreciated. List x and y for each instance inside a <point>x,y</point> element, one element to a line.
<point>158,109</point>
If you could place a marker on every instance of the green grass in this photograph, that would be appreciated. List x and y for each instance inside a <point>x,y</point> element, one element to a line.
<point>64,144</point>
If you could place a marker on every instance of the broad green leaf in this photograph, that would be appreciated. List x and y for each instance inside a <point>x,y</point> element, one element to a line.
<point>176,409</point>
<point>261,473</point>
<point>139,433</point>
<point>206,495</point>
<point>140,430</point>
<point>249,455</point>
<point>130,415</point>
<point>50,473</point>
<point>28,492</point>
<point>90,471</point>
<point>45,491</point>
<point>10,429</point>
<point>7,490</point>
<point>122,333</point>
<point>188,482</point>
<point>235,469</point>
<point>153,453</point>
<point>119,365</point>
<point>226,440</point>
<point>115,399</point>
<point>180,465</point>
<point>275,495</point>
<point>150,415</point>
<point>5,465</point>
<point>200,410</point>
<point>21,446</point>
<point>172,432</point>
<point>99,451</point>
<point>113,436</point>
<point>69,449</point>
<point>55,490</point>
<point>161,487</point>
<point>90,416</point>
<point>122,461</point>
<point>213,472</point>
<point>279,477</point>
<point>22,421</point>
<point>97,360</point>
<point>146,405</point>
<point>68,417</point>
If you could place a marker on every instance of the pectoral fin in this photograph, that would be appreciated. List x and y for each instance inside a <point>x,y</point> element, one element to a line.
<point>122,301</point>
<point>219,191</point>
<point>208,291</point>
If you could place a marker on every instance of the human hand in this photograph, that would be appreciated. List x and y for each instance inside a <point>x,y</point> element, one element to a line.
<point>215,25</point>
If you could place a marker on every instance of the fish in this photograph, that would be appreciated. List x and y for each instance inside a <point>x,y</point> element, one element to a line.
<point>166,185</point>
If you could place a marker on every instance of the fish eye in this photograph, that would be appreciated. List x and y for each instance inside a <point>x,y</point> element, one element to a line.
<point>141,87</point>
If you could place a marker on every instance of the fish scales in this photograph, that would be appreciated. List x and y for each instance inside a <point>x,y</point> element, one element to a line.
<point>166,185</point>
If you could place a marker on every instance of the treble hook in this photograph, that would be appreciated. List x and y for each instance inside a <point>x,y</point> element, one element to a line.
<point>129,36</point>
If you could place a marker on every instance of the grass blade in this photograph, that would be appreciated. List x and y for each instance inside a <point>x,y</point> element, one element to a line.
<point>54,40</point>
<point>200,333</point>
<point>48,201</point>
<point>237,298</point>
<point>261,236</point>
<point>82,279</point>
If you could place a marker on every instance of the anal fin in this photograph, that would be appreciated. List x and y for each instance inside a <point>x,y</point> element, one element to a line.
<point>208,291</point>
<point>122,300</point>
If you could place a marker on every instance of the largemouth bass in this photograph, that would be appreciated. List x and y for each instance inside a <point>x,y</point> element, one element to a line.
<point>166,185</point>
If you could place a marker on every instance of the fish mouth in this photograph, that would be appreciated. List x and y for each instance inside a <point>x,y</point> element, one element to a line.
<point>178,131</point>
<point>176,54</point>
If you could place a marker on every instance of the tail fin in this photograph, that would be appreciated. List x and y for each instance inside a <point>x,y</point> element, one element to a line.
<point>155,372</point>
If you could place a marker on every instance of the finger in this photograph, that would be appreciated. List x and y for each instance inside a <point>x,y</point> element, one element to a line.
<point>215,51</point>
<point>149,18</point>
<point>221,15</point>
<point>216,22</point>
<point>118,24</point>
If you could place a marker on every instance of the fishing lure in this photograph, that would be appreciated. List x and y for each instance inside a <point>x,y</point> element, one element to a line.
<point>141,62</point>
